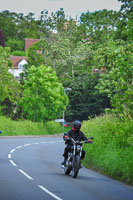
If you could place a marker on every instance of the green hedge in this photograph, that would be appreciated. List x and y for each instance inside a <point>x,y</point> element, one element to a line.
<point>14,128</point>
<point>112,148</point>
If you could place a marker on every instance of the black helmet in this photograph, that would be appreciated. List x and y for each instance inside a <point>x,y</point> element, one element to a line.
<point>77,125</point>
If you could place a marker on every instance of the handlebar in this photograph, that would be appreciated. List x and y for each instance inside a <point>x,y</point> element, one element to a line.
<point>77,142</point>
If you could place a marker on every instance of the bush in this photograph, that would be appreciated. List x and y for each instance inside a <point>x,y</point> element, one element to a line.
<point>18,53</point>
<point>25,127</point>
<point>112,149</point>
<point>53,127</point>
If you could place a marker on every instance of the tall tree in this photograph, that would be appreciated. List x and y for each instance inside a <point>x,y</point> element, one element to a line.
<point>117,81</point>
<point>125,24</point>
<point>9,87</point>
<point>66,56</point>
<point>43,97</point>
<point>83,101</point>
<point>2,39</point>
<point>98,26</point>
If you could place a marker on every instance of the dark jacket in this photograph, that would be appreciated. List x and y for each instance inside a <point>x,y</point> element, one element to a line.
<point>76,135</point>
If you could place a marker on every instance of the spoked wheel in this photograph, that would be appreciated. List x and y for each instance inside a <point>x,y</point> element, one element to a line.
<point>67,169</point>
<point>76,166</point>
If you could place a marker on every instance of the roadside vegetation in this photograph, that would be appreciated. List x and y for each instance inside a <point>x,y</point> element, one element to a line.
<point>25,127</point>
<point>112,149</point>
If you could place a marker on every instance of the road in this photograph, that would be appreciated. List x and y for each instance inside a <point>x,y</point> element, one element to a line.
<point>30,170</point>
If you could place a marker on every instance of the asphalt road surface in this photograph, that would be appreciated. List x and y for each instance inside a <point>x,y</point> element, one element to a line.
<point>30,169</point>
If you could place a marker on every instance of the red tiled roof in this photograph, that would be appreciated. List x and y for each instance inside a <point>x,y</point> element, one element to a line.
<point>29,42</point>
<point>16,59</point>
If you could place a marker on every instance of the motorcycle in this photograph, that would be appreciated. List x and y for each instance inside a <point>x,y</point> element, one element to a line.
<point>73,162</point>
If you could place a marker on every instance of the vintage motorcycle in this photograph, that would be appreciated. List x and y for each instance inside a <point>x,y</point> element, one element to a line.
<point>73,162</point>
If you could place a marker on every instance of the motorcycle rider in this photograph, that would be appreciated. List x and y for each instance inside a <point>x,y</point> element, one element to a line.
<point>77,135</point>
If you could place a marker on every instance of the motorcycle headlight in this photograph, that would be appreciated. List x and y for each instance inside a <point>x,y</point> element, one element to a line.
<point>78,147</point>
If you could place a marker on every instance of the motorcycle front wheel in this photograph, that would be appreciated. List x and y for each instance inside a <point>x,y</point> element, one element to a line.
<point>76,166</point>
<point>67,169</point>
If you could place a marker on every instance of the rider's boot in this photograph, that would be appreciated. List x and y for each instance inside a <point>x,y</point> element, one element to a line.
<point>64,161</point>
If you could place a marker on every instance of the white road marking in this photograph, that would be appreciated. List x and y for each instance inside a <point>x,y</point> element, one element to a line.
<point>25,145</point>
<point>19,147</point>
<point>50,193</point>
<point>25,174</point>
<point>12,150</point>
<point>9,156</point>
<point>11,161</point>
<point>35,143</point>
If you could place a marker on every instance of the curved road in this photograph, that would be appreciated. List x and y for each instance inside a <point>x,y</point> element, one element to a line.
<point>30,170</point>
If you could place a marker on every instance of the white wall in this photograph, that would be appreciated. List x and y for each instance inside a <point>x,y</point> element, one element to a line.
<point>16,72</point>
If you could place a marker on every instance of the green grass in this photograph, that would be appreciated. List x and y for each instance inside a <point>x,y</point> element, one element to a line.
<point>112,150</point>
<point>18,128</point>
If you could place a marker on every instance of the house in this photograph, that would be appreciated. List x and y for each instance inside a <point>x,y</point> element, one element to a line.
<point>29,42</point>
<point>20,61</point>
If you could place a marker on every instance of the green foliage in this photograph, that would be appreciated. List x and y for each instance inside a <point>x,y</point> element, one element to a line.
<point>83,101</point>
<point>24,127</point>
<point>8,24</point>
<point>15,45</point>
<point>53,127</point>
<point>35,58</point>
<point>117,81</point>
<point>16,27</point>
<point>43,96</point>
<point>61,52</point>
<point>2,39</point>
<point>126,23</point>
<point>9,87</point>
<point>18,53</point>
<point>112,149</point>
<point>99,39</point>
<point>99,25</point>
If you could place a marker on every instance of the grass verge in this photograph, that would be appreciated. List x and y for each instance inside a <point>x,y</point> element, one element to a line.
<point>20,128</point>
<point>112,150</point>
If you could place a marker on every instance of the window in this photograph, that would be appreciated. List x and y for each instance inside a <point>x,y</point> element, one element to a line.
<point>20,66</point>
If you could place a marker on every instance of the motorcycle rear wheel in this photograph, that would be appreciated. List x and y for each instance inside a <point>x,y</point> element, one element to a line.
<point>76,166</point>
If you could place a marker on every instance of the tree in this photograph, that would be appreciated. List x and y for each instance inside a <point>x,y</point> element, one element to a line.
<point>125,24</point>
<point>2,39</point>
<point>17,27</point>
<point>83,101</point>
<point>9,87</point>
<point>117,81</point>
<point>8,24</point>
<point>98,26</point>
<point>15,45</point>
<point>43,96</point>
<point>62,53</point>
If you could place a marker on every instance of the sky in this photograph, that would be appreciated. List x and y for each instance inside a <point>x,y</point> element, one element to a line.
<point>71,8</point>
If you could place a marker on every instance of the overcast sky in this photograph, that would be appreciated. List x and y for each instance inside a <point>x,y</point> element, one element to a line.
<point>71,7</point>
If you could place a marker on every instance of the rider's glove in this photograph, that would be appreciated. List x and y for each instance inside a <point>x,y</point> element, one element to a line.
<point>88,141</point>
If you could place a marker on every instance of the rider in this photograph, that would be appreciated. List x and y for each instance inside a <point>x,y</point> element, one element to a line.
<point>77,135</point>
